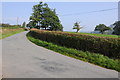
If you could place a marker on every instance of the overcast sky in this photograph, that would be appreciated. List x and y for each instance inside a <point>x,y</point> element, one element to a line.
<point>68,12</point>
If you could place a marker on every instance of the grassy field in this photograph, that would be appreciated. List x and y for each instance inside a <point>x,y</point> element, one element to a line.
<point>8,31</point>
<point>99,35</point>
<point>93,58</point>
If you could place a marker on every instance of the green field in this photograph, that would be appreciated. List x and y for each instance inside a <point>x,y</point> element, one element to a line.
<point>98,35</point>
<point>8,31</point>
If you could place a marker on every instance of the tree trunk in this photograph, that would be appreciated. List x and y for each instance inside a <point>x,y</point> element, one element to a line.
<point>77,31</point>
<point>102,32</point>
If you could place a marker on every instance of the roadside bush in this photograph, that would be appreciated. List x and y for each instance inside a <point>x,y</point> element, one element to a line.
<point>107,46</point>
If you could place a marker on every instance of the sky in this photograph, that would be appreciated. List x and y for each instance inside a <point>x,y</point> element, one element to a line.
<point>68,13</point>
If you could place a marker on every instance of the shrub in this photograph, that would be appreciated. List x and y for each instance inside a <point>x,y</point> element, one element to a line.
<point>107,46</point>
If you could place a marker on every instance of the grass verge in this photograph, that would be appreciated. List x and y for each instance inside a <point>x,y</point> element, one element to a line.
<point>96,59</point>
<point>10,33</point>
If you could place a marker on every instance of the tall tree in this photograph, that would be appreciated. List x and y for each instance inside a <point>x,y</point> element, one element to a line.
<point>51,20</point>
<point>45,17</point>
<point>31,24</point>
<point>102,28</point>
<point>37,14</point>
<point>24,25</point>
<point>77,26</point>
<point>116,28</point>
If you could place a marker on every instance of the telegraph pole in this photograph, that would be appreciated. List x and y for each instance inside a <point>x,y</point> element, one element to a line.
<point>17,20</point>
<point>119,11</point>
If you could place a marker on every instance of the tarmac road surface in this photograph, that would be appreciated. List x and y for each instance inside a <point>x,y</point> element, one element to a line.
<point>23,59</point>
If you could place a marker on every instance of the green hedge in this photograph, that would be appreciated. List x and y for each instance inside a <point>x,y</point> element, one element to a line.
<point>107,46</point>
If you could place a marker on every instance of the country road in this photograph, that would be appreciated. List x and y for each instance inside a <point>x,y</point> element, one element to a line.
<point>23,59</point>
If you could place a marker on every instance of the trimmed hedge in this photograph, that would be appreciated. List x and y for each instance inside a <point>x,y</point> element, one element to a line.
<point>107,46</point>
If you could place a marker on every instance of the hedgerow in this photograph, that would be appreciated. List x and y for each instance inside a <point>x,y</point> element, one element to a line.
<point>104,45</point>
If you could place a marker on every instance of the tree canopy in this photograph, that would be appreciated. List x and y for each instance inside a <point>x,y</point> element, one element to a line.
<point>44,18</point>
<point>102,28</point>
<point>77,26</point>
<point>116,28</point>
<point>31,24</point>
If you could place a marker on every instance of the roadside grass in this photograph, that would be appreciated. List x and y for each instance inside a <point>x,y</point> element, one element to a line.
<point>99,35</point>
<point>93,58</point>
<point>6,32</point>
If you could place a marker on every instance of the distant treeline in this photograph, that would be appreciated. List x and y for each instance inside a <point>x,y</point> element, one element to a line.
<point>8,25</point>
